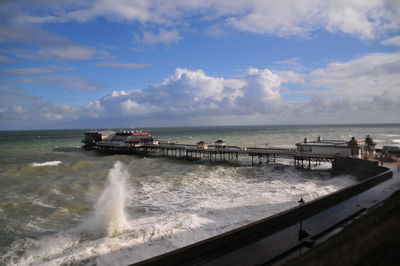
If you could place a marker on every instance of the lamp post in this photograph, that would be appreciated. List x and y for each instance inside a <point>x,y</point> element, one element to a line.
<point>302,233</point>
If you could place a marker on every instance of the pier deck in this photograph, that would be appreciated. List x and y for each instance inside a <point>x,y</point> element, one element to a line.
<point>216,154</point>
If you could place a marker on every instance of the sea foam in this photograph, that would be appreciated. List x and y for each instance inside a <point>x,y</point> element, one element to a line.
<point>51,163</point>
<point>109,217</point>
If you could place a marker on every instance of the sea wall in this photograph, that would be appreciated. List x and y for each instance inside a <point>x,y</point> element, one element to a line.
<point>362,169</point>
<point>201,252</point>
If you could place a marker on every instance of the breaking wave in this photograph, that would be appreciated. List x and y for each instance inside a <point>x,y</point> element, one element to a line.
<point>168,211</point>
<point>109,217</point>
<point>51,163</point>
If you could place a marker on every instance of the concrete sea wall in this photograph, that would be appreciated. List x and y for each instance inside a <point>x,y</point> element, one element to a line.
<point>370,174</point>
<point>362,169</point>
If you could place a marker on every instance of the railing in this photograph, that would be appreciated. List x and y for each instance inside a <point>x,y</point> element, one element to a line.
<point>227,149</point>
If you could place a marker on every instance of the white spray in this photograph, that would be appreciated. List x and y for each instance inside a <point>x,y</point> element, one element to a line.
<point>110,217</point>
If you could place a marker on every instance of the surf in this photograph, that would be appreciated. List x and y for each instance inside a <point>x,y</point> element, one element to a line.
<point>109,217</point>
<point>51,163</point>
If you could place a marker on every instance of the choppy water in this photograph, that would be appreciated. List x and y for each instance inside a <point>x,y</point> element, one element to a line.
<point>62,205</point>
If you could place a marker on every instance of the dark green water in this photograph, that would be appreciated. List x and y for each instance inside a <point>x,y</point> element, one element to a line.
<point>62,205</point>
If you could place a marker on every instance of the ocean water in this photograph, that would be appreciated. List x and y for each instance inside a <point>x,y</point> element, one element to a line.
<point>62,205</point>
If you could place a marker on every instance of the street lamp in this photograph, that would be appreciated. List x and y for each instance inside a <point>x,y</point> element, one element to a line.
<point>302,233</point>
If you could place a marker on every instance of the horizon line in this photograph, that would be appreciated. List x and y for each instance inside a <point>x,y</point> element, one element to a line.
<point>204,126</point>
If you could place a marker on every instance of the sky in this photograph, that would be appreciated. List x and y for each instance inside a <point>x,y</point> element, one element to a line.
<point>156,63</point>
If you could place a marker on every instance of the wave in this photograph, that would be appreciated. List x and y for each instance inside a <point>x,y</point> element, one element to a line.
<point>50,163</point>
<point>40,203</point>
<point>109,217</point>
<point>170,211</point>
<point>389,135</point>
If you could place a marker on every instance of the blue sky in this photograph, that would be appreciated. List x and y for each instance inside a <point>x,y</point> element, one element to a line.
<point>121,63</point>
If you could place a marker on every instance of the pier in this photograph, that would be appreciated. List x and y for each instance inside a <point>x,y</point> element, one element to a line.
<point>214,153</point>
<point>305,155</point>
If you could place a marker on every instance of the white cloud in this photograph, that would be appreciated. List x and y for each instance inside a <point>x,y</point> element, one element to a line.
<point>192,92</point>
<point>364,19</point>
<point>17,109</point>
<point>360,90</point>
<point>118,93</point>
<point>362,85</point>
<point>131,107</point>
<point>364,76</point>
<point>281,18</point>
<point>395,41</point>
<point>125,10</point>
<point>353,17</point>
<point>162,36</point>
<point>62,81</point>
<point>42,44</point>
<point>95,105</point>
<point>34,71</point>
<point>72,52</point>
<point>262,84</point>
<point>93,109</point>
<point>198,86</point>
<point>122,65</point>
<point>288,76</point>
<point>293,64</point>
<point>24,111</point>
<point>28,34</point>
<point>53,116</point>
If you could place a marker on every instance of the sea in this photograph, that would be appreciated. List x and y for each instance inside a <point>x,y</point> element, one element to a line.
<point>61,205</point>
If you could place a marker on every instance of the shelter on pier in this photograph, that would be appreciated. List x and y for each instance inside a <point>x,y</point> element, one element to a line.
<point>202,145</point>
<point>369,147</point>
<point>220,144</point>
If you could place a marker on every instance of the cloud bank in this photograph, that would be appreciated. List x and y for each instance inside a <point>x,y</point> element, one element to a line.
<point>359,90</point>
<point>364,19</point>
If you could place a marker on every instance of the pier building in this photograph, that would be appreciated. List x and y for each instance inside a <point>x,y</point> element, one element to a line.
<point>93,137</point>
<point>330,147</point>
<point>202,145</point>
<point>119,139</point>
<point>220,144</point>
<point>369,147</point>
